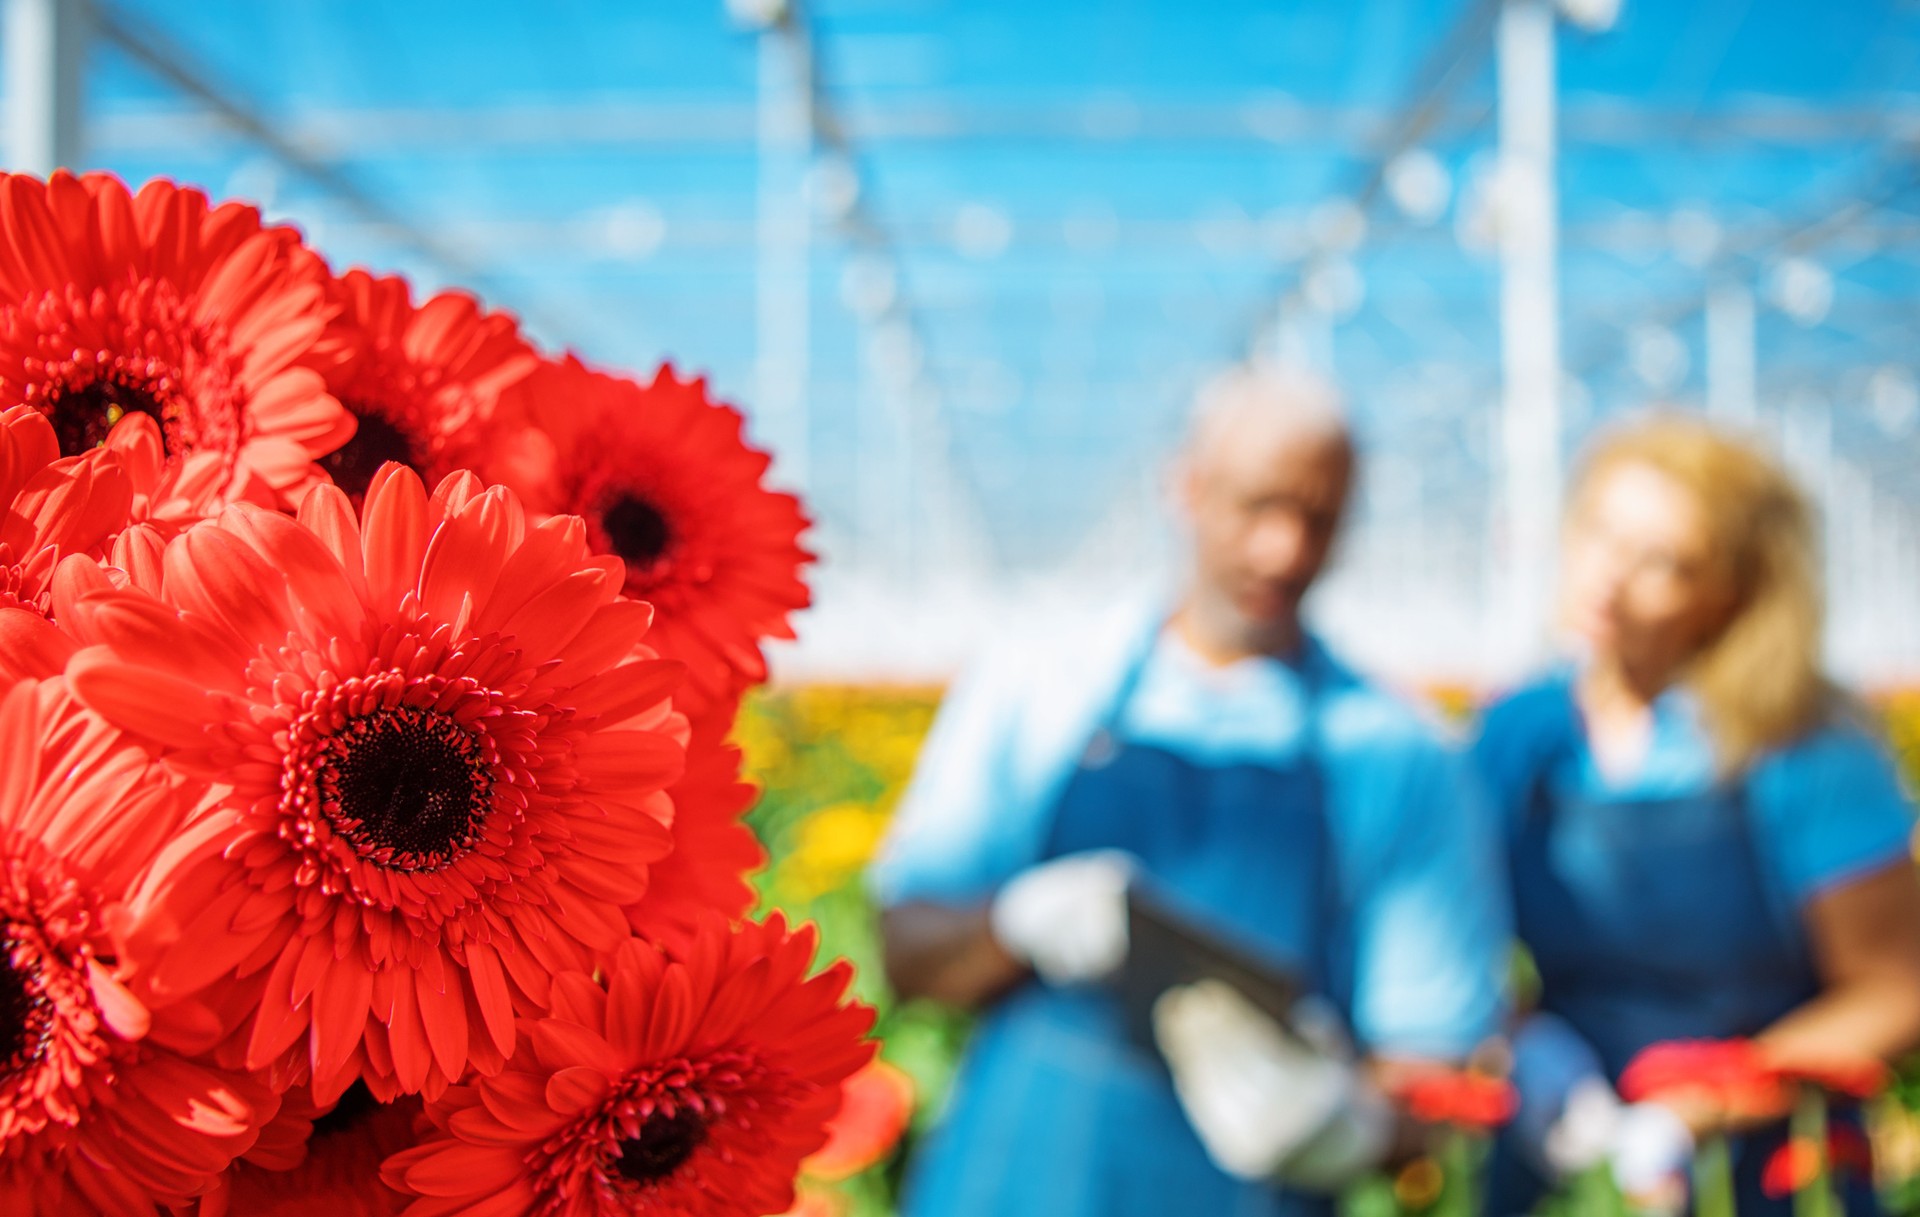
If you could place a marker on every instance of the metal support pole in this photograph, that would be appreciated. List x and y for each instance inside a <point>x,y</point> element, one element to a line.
<point>46,47</point>
<point>1529,493</point>
<point>784,227</point>
<point>1731,360</point>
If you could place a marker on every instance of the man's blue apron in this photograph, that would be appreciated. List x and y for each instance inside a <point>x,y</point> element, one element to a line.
<point>1056,1113</point>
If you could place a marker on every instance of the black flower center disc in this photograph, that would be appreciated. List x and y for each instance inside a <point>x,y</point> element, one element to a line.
<point>26,1016</point>
<point>407,787</point>
<point>354,1106</point>
<point>637,531</point>
<point>84,414</point>
<point>666,1140</point>
<point>374,443</point>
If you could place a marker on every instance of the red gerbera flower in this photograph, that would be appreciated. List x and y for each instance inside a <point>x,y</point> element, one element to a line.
<point>876,1105</point>
<point>112,304</point>
<point>686,1087</point>
<point>51,507</point>
<point>335,1171</point>
<point>713,850</point>
<point>1731,1075</point>
<point>665,480</point>
<point>436,754</point>
<point>424,382</point>
<point>1465,1098</point>
<point>100,1112</point>
<point>1797,1163</point>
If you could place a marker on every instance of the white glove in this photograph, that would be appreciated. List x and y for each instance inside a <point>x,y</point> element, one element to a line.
<point>1567,1110</point>
<point>1265,1104</point>
<point>1067,919</point>
<point>1652,1148</point>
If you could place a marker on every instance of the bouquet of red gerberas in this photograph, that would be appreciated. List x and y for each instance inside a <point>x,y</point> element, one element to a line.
<point>369,837</point>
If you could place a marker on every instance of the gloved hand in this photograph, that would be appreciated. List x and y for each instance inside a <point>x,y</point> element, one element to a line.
<point>1265,1103</point>
<point>1067,919</point>
<point>1567,1108</point>
<point>1651,1150</point>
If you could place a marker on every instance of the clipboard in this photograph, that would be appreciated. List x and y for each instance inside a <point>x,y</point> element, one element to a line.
<point>1167,947</point>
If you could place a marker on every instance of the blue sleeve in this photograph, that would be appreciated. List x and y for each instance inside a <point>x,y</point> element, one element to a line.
<point>1832,810</point>
<point>1425,873</point>
<point>947,840</point>
<point>1519,738</point>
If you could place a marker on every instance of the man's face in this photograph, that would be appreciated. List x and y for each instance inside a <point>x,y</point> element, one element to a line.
<point>1265,503</point>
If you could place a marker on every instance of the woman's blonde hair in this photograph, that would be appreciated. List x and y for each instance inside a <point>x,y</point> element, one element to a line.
<point>1759,680</point>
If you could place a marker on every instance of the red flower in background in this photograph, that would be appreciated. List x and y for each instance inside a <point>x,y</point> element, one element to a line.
<point>1859,1079</point>
<point>1464,1098</point>
<point>102,1108</point>
<point>688,1087</point>
<point>424,381</point>
<point>197,316</point>
<point>713,850</point>
<point>876,1104</point>
<point>1796,1163</point>
<point>328,1162</point>
<point>435,755</point>
<point>665,480</point>
<point>1731,1075</point>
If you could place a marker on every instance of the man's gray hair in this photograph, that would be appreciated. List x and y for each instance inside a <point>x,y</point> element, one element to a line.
<point>1268,396</point>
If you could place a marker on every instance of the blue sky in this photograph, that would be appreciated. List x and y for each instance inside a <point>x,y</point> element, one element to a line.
<point>1146,174</point>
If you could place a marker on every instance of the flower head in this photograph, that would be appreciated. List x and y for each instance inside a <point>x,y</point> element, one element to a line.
<point>51,506</point>
<point>1729,1075</point>
<point>665,480</point>
<point>103,1108</point>
<point>159,304</point>
<point>691,1087</point>
<point>875,1106</point>
<point>713,849</point>
<point>1798,1161</point>
<point>434,753</point>
<point>1464,1098</point>
<point>334,1167</point>
<point>423,380</point>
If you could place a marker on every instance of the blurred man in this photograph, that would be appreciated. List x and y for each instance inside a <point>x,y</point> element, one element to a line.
<point>1209,749</point>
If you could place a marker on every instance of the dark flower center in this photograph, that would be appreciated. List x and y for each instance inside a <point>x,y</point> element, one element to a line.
<point>354,1106</point>
<point>666,1140</point>
<point>376,442</point>
<point>26,1016</point>
<point>409,788</point>
<point>82,415</point>
<point>638,531</point>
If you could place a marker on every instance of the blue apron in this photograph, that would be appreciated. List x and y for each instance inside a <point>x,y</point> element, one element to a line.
<point>1055,1112</point>
<point>1652,919</point>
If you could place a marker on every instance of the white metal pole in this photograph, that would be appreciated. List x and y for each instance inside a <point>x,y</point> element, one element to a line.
<point>46,45</point>
<point>784,226</point>
<point>1732,363</point>
<point>1529,495</point>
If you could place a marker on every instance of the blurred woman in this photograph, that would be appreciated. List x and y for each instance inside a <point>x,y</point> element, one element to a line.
<point>1706,839</point>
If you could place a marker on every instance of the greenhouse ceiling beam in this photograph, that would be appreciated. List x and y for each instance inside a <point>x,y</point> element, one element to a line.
<point>647,124</point>
<point>171,64</point>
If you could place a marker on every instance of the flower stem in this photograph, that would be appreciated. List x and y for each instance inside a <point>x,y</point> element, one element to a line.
<point>1713,1178</point>
<point>1814,1198</point>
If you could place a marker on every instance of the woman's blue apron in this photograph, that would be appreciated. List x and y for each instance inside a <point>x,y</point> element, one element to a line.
<point>1652,919</point>
<point>1055,1112</point>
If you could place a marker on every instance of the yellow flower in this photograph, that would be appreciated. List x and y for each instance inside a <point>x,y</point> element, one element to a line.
<point>832,845</point>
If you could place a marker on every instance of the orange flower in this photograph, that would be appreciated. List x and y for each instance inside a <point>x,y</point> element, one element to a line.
<point>1465,1098</point>
<point>1797,1162</point>
<point>875,1106</point>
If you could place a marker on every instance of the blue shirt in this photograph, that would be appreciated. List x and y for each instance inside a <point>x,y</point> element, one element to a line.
<point>1420,870</point>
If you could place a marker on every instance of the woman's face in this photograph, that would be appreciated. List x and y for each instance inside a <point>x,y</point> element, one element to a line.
<point>1640,583</point>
